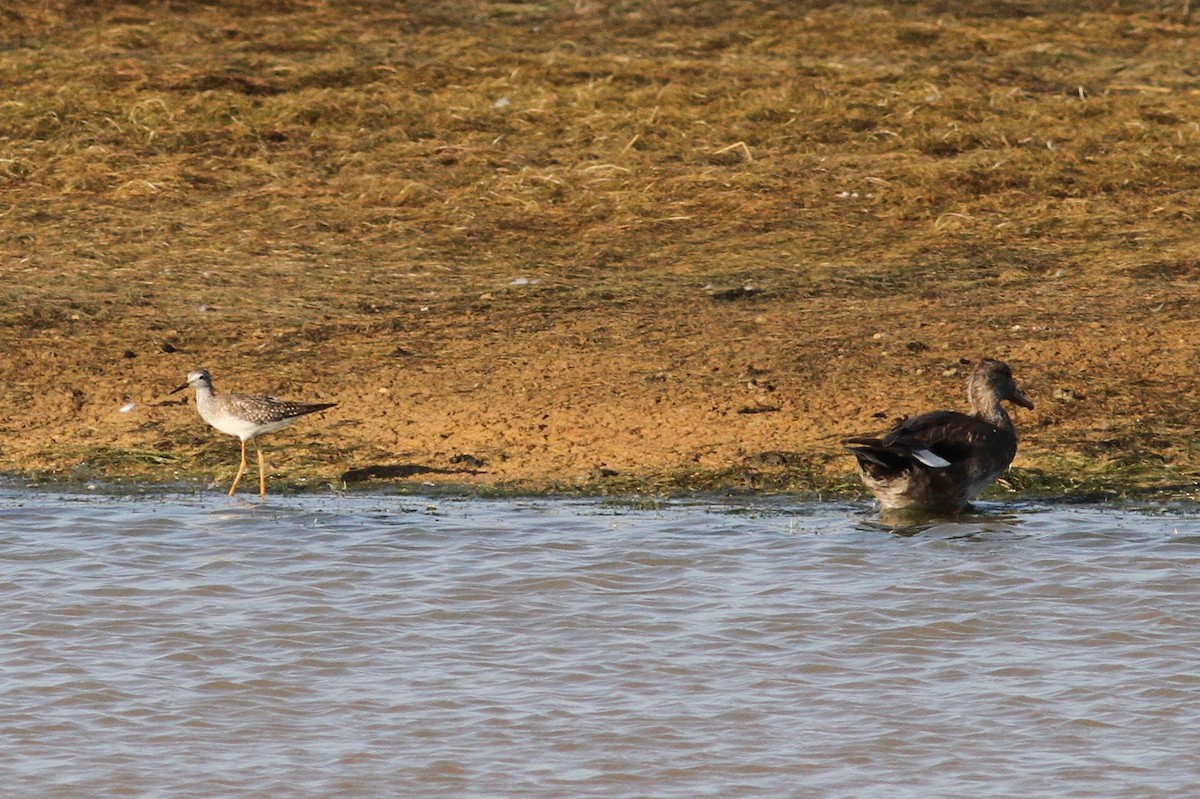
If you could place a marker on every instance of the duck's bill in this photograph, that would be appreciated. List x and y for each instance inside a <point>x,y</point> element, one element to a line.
<point>1021,399</point>
<point>185,385</point>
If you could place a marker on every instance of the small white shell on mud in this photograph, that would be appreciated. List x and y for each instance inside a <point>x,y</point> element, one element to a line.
<point>127,407</point>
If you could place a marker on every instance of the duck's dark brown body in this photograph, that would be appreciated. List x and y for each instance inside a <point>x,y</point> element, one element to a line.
<point>940,461</point>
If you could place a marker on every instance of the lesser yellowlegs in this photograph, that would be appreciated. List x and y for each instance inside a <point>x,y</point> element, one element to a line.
<point>246,416</point>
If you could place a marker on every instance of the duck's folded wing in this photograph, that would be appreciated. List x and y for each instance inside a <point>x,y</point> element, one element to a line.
<point>893,458</point>
<point>872,450</point>
<point>938,439</point>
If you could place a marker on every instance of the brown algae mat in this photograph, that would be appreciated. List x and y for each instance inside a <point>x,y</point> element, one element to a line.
<point>591,246</point>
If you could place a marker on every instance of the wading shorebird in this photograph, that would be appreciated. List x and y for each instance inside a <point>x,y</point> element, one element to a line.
<point>939,461</point>
<point>246,416</point>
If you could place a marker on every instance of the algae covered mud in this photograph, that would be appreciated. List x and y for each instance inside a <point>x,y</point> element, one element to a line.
<point>597,246</point>
<point>379,647</point>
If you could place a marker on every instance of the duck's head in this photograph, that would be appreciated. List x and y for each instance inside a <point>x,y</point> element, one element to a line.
<point>993,380</point>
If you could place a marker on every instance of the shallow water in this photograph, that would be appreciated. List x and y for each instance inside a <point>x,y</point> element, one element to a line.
<point>386,647</point>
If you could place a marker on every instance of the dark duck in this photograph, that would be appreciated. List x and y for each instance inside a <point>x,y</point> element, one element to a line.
<point>939,461</point>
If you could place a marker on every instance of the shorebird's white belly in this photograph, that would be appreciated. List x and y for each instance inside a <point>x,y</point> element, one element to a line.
<point>229,425</point>
<point>233,426</point>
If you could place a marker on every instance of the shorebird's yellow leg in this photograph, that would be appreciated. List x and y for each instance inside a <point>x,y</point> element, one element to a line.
<point>262,472</point>
<point>241,471</point>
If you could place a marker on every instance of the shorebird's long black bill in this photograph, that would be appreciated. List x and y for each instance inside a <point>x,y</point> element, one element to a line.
<point>177,390</point>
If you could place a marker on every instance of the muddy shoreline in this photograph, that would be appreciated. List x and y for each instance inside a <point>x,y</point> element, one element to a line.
<point>645,249</point>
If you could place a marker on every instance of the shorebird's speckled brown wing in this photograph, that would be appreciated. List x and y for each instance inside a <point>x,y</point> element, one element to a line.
<point>260,409</point>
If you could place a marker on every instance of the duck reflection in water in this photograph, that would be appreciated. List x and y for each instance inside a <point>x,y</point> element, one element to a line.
<point>975,521</point>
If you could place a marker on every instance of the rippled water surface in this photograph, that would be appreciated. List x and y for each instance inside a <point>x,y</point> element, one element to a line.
<point>394,647</point>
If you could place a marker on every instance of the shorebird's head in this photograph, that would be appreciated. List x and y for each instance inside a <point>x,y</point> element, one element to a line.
<point>994,378</point>
<point>197,379</point>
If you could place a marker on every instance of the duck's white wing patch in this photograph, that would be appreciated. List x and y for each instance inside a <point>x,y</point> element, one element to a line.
<point>929,459</point>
